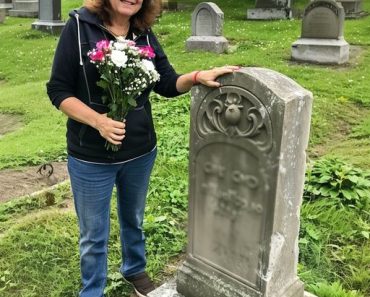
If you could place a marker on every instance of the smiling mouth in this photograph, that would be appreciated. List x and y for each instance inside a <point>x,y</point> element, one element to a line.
<point>127,2</point>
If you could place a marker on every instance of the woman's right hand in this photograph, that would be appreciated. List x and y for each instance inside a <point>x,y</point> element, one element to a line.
<point>111,130</point>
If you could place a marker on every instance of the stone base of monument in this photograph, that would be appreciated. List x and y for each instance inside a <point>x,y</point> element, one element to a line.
<point>23,13</point>
<point>321,51</point>
<point>169,289</point>
<point>216,44</point>
<point>52,27</point>
<point>353,9</point>
<point>268,14</point>
<point>2,15</point>
<point>26,8</point>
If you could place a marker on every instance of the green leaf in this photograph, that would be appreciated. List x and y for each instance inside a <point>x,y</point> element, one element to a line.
<point>349,195</point>
<point>366,234</point>
<point>312,232</point>
<point>160,219</point>
<point>132,102</point>
<point>103,84</point>
<point>324,179</point>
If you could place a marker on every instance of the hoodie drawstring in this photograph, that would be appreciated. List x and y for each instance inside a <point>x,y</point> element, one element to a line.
<point>79,37</point>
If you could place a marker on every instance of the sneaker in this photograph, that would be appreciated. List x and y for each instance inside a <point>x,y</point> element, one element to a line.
<point>142,284</point>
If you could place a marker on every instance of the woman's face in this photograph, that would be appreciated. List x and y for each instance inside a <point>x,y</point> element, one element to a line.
<point>125,8</point>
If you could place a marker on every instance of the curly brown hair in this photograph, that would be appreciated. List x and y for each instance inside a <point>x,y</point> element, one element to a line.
<point>142,20</point>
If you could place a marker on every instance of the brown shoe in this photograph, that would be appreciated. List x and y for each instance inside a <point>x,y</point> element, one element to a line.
<point>142,284</point>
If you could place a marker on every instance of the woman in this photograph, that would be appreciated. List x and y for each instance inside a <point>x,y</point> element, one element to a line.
<point>93,170</point>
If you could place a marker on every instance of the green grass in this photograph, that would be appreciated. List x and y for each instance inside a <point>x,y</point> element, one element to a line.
<point>38,235</point>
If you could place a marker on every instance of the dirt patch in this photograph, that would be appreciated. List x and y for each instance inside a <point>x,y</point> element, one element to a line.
<point>23,181</point>
<point>9,123</point>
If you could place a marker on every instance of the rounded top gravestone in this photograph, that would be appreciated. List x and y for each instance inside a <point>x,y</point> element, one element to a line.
<point>323,19</point>
<point>207,20</point>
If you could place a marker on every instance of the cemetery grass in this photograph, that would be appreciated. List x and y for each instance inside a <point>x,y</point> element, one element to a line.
<point>38,235</point>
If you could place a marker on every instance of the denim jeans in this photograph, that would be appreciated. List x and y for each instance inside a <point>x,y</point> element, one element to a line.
<point>92,186</point>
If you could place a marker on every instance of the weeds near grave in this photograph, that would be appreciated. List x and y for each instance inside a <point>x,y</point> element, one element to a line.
<point>335,227</point>
<point>333,178</point>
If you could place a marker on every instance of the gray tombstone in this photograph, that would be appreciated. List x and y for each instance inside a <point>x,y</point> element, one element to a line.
<point>322,38</point>
<point>5,6</point>
<point>2,14</point>
<point>247,166</point>
<point>24,8</point>
<point>270,10</point>
<point>49,17</point>
<point>352,8</point>
<point>207,26</point>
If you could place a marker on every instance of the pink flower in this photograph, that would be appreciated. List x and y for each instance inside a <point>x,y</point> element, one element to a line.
<point>103,45</point>
<point>96,56</point>
<point>146,52</point>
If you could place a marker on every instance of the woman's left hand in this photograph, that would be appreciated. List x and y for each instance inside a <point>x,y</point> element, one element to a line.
<point>208,77</point>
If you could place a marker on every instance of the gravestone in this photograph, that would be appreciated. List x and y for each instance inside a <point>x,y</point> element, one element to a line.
<point>2,14</point>
<point>322,38</point>
<point>270,10</point>
<point>352,8</point>
<point>207,26</point>
<point>247,167</point>
<point>5,5</point>
<point>49,17</point>
<point>169,4</point>
<point>25,8</point>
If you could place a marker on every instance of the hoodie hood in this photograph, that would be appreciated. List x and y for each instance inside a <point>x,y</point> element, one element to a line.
<point>86,16</point>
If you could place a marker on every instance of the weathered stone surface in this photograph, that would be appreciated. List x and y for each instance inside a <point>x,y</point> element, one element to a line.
<point>169,290</point>
<point>6,4</point>
<point>49,17</point>
<point>353,8</point>
<point>25,8</point>
<point>2,14</point>
<point>323,19</point>
<point>270,10</point>
<point>207,27</point>
<point>247,162</point>
<point>322,38</point>
<point>216,44</point>
<point>321,51</point>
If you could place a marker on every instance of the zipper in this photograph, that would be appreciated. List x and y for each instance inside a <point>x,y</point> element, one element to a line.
<point>81,62</point>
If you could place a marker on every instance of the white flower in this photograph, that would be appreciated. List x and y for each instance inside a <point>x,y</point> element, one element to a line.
<point>119,58</point>
<point>147,65</point>
<point>120,46</point>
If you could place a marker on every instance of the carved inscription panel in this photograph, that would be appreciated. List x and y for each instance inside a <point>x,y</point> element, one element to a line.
<point>321,20</point>
<point>204,23</point>
<point>230,210</point>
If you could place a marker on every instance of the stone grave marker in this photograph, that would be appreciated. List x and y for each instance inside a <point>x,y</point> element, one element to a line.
<point>5,6</point>
<point>270,10</point>
<point>322,38</point>
<point>49,17</point>
<point>25,8</point>
<point>352,8</point>
<point>247,167</point>
<point>2,14</point>
<point>207,27</point>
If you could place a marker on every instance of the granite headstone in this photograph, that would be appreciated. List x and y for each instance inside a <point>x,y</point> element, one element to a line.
<point>322,39</point>
<point>25,8</point>
<point>353,8</point>
<point>207,27</point>
<point>247,166</point>
<point>49,17</point>
<point>270,10</point>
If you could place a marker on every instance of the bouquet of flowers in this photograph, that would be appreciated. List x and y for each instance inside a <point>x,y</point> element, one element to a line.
<point>125,71</point>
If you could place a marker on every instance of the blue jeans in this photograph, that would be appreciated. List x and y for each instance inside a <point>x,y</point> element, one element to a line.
<point>92,186</point>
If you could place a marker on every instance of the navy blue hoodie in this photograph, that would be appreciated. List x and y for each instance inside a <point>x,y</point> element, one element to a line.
<point>73,75</point>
